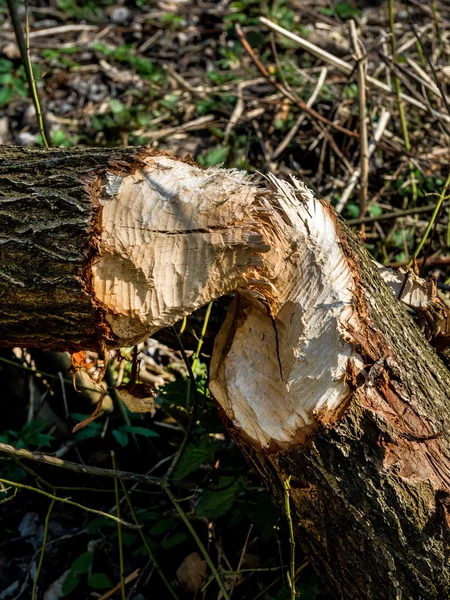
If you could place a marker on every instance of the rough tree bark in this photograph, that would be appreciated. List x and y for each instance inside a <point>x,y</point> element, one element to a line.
<point>320,373</point>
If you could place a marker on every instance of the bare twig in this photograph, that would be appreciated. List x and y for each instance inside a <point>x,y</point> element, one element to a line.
<point>290,136</point>
<point>389,216</point>
<point>84,469</point>
<point>190,126</point>
<point>345,67</point>
<point>364,152</point>
<point>381,126</point>
<point>262,69</point>
<point>24,50</point>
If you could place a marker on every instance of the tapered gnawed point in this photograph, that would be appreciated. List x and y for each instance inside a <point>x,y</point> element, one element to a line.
<point>280,374</point>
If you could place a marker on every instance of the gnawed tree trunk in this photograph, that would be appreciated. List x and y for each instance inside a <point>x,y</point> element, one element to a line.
<point>320,373</point>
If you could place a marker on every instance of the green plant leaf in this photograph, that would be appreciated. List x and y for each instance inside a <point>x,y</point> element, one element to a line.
<point>345,10</point>
<point>99,581</point>
<point>375,210</point>
<point>283,594</point>
<point>174,540</point>
<point>162,527</point>
<point>34,427</point>
<point>353,210</point>
<point>219,499</point>
<point>99,522</point>
<point>70,583</point>
<point>309,590</point>
<point>38,439</point>
<point>121,437</point>
<point>139,430</point>
<point>194,456</point>
<point>215,156</point>
<point>90,431</point>
<point>116,106</point>
<point>128,537</point>
<point>6,65</point>
<point>83,563</point>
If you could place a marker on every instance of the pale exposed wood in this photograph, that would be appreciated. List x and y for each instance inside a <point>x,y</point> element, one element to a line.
<point>284,371</point>
<point>432,307</point>
<point>174,236</point>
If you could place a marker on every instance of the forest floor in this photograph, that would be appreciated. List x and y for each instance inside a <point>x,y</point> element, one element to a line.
<point>206,79</point>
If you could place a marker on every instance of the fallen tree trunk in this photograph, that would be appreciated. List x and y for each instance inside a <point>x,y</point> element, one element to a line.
<point>320,373</point>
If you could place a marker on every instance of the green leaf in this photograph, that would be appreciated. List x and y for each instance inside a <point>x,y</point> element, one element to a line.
<point>216,503</point>
<point>60,138</point>
<point>328,12</point>
<point>38,439</point>
<point>346,11</point>
<point>128,537</point>
<point>83,563</point>
<point>139,430</point>
<point>6,93</point>
<point>99,522</point>
<point>6,65</point>
<point>99,581</point>
<point>215,156</point>
<point>283,594</point>
<point>194,456</point>
<point>116,106</point>
<point>34,427</point>
<point>142,550</point>
<point>375,210</point>
<point>162,527</point>
<point>147,515</point>
<point>353,210</point>
<point>6,78</point>
<point>90,431</point>
<point>121,437</point>
<point>176,539</point>
<point>309,590</point>
<point>70,583</point>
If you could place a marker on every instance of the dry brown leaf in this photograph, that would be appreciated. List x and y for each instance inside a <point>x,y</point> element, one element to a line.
<point>138,397</point>
<point>192,572</point>
<point>97,412</point>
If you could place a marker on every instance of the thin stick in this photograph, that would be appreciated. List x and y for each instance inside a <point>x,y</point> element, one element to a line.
<point>363,141</point>
<point>394,214</point>
<point>144,541</point>
<point>381,126</point>
<point>200,545</point>
<point>44,546</point>
<point>241,559</point>
<point>24,49</point>
<point>400,105</point>
<point>437,80</point>
<point>119,530</point>
<point>202,336</point>
<point>437,208</point>
<point>287,505</point>
<point>45,133</point>
<point>192,416</point>
<point>345,67</point>
<point>262,69</point>
<point>290,136</point>
<point>66,501</point>
<point>85,469</point>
